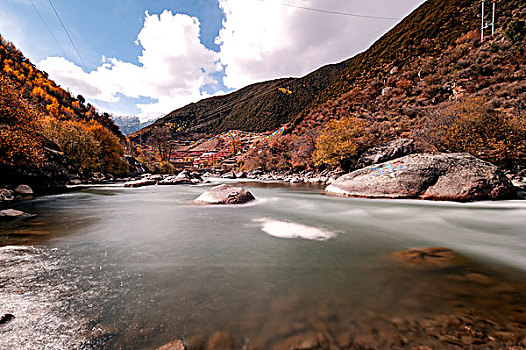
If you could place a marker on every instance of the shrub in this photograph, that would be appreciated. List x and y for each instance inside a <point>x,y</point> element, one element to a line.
<point>341,142</point>
<point>516,30</point>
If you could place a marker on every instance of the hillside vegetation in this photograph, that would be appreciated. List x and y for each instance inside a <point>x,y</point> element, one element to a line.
<point>45,133</point>
<point>258,107</point>
<point>430,78</point>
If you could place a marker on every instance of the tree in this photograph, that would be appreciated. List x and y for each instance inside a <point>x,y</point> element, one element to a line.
<point>341,142</point>
<point>160,138</point>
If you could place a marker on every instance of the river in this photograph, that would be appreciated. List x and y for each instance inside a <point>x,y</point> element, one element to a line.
<point>133,268</point>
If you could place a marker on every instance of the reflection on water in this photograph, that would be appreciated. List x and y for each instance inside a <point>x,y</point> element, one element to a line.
<point>110,267</point>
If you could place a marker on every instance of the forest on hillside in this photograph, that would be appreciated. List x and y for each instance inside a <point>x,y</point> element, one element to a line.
<point>44,129</point>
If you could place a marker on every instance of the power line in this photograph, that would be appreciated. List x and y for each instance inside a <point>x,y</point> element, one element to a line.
<point>334,12</point>
<point>74,46</point>
<point>49,29</point>
<point>69,37</point>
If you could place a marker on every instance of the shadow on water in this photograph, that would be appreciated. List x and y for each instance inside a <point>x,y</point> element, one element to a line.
<point>115,268</point>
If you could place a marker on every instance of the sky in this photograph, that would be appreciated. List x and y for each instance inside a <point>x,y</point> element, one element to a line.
<point>147,58</point>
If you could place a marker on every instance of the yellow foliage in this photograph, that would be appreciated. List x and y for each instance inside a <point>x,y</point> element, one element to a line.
<point>341,142</point>
<point>490,135</point>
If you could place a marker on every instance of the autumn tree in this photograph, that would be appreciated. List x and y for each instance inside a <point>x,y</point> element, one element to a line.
<point>160,140</point>
<point>341,142</point>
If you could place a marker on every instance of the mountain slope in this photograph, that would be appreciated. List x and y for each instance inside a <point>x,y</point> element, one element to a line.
<point>45,133</point>
<point>257,107</point>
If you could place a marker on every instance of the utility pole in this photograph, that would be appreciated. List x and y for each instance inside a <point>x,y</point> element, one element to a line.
<point>485,24</point>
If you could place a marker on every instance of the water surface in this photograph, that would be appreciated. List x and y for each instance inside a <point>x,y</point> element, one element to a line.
<point>145,266</point>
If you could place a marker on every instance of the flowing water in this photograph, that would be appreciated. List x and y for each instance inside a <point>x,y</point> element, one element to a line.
<point>119,268</point>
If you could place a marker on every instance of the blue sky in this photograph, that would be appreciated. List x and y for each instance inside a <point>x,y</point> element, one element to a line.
<point>147,58</point>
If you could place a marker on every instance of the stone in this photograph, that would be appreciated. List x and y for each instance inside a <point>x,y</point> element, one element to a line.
<point>241,175</point>
<point>220,341</point>
<point>6,195</point>
<point>456,177</point>
<point>140,183</point>
<point>11,214</point>
<point>429,258</point>
<point>225,194</point>
<point>6,318</point>
<point>24,190</point>
<point>173,345</point>
<point>229,175</point>
<point>384,152</point>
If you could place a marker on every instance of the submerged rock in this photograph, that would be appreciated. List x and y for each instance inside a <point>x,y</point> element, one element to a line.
<point>220,341</point>
<point>173,345</point>
<point>387,151</point>
<point>225,194</point>
<point>456,177</point>
<point>428,258</point>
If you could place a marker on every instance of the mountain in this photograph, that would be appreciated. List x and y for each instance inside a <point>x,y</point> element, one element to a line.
<point>129,124</point>
<point>424,67</point>
<point>257,107</point>
<point>46,133</point>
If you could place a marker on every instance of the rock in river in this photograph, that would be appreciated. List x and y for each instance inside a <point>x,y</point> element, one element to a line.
<point>140,183</point>
<point>7,214</point>
<point>430,258</point>
<point>456,177</point>
<point>24,190</point>
<point>225,194</point>
<point>173,345</point>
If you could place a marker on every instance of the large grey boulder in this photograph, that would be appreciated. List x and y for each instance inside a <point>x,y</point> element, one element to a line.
<point>384,152</point>
<point>225,194</point>
<point>456,177</point>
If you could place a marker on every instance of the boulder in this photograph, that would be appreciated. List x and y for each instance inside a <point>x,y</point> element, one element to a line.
<point>225,194</point>
<point>6,195</point>
<point>184,177</point>
<point>241,175</point>
<point>229,175</point>
<point>6,318</point>
<point>7,214</point>
<point>24,190</point>
<point>140,183</point>
<point>173,345</point>
<point>384,152</point>
<point>456,177</point>
<point>431,258</point>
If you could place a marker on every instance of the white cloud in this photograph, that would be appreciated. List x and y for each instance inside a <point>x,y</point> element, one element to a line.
<point>174,67</point>
<point>262,39</point>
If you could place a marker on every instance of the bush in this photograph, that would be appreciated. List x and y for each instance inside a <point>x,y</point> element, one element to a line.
<point>516,30</point>
<point>341,142</point>
<point>166,168</point>
<point>471,126</point>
